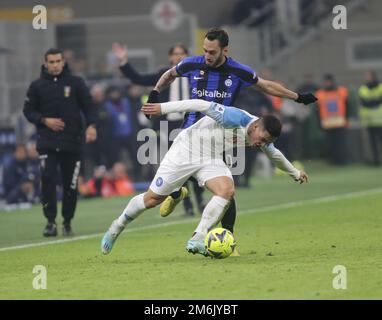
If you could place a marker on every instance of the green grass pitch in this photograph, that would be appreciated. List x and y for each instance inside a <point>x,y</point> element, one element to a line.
<point>290,238</point>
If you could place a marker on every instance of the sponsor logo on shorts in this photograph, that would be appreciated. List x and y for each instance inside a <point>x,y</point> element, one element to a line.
<point>159,181</point>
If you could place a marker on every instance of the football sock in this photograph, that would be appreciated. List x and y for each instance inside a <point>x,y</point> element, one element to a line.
<point>176,194</point>
<point>133,209</point>
<point>212,214</point>
<point>228,221</point>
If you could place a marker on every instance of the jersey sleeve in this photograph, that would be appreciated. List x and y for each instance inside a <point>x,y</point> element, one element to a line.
<point>246,74</point>
<point>279,160</point>
<point>229,117</point>
<point>184,67</point>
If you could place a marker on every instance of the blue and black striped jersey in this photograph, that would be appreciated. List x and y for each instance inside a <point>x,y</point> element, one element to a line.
<point>220,85</point>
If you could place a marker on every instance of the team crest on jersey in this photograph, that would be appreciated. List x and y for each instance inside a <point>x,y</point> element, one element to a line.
<point>201,72</point>
<point>228,82</point>
<point>218,108</point>
<point>67,90</point>
<point>159,181</point>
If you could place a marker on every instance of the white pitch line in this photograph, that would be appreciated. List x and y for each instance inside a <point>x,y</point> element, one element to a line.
<point>287,205</point>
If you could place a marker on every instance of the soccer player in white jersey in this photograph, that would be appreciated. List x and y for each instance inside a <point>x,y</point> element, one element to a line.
<point>197,151</point>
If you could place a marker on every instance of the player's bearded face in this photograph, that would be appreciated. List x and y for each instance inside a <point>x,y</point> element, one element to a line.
<point>214,55</point>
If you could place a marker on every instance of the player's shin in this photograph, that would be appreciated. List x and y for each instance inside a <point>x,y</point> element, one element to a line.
<point>212,214</point>
<point>228,220</point>
<point>133,209</point>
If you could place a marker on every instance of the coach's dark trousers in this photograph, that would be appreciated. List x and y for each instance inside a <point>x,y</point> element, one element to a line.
<point>69,165</point>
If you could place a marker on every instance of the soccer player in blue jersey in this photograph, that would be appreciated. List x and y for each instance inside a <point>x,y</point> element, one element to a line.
<point>217,77</point>
<point>197,152</point>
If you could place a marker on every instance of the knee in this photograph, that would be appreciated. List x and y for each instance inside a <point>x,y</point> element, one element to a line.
<point>227,193</point>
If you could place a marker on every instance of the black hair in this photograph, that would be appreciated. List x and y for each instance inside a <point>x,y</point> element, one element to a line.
<point>272,125</point>
<point>218,34</point>
<point>52,51</point>
<point>177,45</point>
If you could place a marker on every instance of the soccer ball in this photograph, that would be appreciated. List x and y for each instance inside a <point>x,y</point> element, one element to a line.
<point>219,243</point>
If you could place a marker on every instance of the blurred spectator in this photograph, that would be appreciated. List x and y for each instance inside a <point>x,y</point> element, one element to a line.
<point>34,167</point>
<point>76,65</point>
<point>122,184</point>
<point>370,94</point>
<point>332,104</point>
<point>308,85</point>
<point>19,179</point>
<point>124,123</point>
<point>100,185</point>
<point>99,152</point>
<point>135,95</point>
<point>112,64</point>
<point>310,132</point>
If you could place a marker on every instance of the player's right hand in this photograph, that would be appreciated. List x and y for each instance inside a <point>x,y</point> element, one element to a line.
<point>151,109</point>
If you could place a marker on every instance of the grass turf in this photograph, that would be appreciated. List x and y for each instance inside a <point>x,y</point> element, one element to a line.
<point>289,245</point>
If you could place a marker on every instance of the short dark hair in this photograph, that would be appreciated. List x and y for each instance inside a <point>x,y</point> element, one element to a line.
<point>272,125</point>
<point>52,51</point>
<point>177,45</point>
<point>218,34</point>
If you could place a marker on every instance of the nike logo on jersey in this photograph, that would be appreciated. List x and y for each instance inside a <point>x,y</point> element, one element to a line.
<point>198,78</point>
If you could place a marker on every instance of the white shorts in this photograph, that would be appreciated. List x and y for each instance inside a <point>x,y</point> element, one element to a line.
<point>174,171</point>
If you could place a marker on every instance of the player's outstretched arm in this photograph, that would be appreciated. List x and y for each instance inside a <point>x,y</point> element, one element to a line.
<point>275,89</point>
<point>156,109</point>
<point>281,162</point>
<point>151,109</point>
<point>166,79</point>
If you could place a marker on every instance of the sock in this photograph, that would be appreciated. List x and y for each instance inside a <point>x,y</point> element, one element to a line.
<point>212,214</point>
<point>176,194</point>
<point>228,220</point>
<point>133,209</point>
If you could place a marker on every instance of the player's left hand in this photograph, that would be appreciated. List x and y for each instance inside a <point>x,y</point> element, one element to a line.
<point>151,109</point>
<point>91,134</point>
<point>306,98</point>
<point>303,177</point>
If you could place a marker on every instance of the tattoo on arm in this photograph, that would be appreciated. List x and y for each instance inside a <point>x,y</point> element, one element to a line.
<point>166,79</point>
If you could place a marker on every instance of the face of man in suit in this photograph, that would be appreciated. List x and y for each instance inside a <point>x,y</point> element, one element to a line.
<point>177,54</point>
